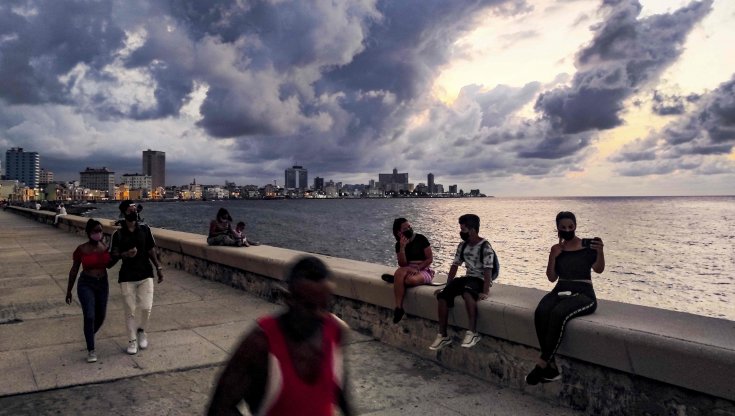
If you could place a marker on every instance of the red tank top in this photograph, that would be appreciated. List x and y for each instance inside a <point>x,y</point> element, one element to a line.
<point>92,260</point>
<point>289,395</point>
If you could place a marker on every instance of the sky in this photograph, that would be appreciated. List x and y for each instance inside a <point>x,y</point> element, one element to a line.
<point>516,98</point>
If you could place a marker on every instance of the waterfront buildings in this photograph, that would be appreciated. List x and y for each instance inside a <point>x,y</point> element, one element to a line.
<point>394,182</point>
<point>297,178</point>
<point>46,177</point>
<point>318,184</point>
<point>23,166</point>
<point>138,181</point>
<point>430,183</point>
<point>154,165</point>
<point>99,179</point>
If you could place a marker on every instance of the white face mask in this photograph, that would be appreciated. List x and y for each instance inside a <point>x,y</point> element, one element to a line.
<point>96,236</point>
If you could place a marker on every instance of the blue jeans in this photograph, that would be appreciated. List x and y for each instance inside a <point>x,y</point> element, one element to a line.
<point>93,294</point>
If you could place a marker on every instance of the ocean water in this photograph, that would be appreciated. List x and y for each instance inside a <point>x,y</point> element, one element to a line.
<point>675,253</point>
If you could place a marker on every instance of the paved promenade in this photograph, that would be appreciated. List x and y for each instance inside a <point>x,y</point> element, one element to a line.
<point>194,326</point>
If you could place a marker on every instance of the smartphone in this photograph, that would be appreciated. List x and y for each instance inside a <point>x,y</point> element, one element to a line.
<point>586,242</point>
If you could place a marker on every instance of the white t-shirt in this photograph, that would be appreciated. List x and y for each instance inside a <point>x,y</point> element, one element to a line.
<point>472,258</point>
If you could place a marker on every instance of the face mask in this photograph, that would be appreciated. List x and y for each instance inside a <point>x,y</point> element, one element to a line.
<point>131,217</point>
<point>566,235</point>
<point>408,233</point>
<point>464,236</point>
<point>96,236</point>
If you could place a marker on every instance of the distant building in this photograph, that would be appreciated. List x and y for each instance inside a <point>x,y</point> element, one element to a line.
<point>138,181</point>
<point>23,166</point>
<point>395,181</point>
<point>45,177</point>
<point>452,189</point>
<point>154,165</point>
<point>99,179</point>
<point>296,178</point>
<point>318,184</point>
<point>430,183</point>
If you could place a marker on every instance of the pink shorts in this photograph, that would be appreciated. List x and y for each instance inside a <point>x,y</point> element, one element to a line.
<point>427,274</point>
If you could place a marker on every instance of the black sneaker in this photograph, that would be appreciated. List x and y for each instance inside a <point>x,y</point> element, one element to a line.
<point>398,315</point>
<point>387,277</point>
<point>550,374</point>
<point>535,376</point>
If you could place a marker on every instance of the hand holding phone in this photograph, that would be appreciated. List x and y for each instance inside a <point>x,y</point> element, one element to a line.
<point>586,242</point>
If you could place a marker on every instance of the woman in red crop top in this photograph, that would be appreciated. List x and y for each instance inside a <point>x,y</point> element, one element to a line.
<point>93,289</point>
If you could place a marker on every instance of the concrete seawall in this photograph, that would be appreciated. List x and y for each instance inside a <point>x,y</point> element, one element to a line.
<point>624,359</point>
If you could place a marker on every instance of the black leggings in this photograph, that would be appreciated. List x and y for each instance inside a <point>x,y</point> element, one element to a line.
<point>93,294</point>
<point>555,310</point>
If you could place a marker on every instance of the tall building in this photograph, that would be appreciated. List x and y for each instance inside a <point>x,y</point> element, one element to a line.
<point>98,179</point>
<point>296,178</point>
<point>393,181</point>
<point>23,166</point>
<point>45,177</point>
<point>318,184</point>
<point>154,165</point>
<point>430,183</point>
<point>452,189</point>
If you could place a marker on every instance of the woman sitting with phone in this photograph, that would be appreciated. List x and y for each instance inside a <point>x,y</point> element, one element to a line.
<point>570,262</point>
<point>414,256</point>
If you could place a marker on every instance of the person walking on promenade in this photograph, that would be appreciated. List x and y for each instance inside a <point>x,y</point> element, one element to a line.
<point>479,258</point>
<point>290,364</point>
<point>570,262</point>
<point>220,230</point>
<point>93,289</point>
<point>134,245</point>
<point>414,257</point>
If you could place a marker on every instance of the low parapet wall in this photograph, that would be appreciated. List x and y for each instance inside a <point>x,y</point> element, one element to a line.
<point>624,359</point>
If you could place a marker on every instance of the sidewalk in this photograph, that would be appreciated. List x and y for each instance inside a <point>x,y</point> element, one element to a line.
<point>194,326</point>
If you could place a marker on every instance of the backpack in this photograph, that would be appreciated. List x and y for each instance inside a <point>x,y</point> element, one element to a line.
<point>496,262</point>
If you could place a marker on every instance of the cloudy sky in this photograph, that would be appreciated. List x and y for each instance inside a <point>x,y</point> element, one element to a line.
<point>518,98</point>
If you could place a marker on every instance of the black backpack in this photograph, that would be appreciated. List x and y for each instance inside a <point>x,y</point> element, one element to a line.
<point>496,262</point>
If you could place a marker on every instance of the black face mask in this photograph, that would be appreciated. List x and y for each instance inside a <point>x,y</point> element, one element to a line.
<point>464,236</point>
<point>408,233</point>
<point>566,235</point>
<point>131,217</point>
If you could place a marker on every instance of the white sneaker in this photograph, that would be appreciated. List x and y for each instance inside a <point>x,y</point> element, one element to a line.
<point>91,357</point>
<point>142,339</point>
<point>132,347</point>
<point>471,339</point>
<point>440,342</point>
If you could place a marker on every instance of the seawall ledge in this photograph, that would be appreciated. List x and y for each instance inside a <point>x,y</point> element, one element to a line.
<point>621,343</point>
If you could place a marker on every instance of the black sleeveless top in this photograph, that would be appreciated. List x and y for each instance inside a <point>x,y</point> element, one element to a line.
<point>575,265</point>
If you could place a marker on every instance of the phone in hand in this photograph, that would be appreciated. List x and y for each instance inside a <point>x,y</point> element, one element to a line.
<point>586,242</point>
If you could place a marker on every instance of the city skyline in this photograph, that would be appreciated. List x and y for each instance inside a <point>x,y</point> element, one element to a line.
<point>516,98</point>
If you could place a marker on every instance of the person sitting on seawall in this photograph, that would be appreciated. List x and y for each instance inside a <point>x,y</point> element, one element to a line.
<point>239,234</point>
<point>93,289</point>
<point>60,212</point>
<point>414,255</point>
<point>220,230</point>
<point>570,262</point>
<point>479,258</point>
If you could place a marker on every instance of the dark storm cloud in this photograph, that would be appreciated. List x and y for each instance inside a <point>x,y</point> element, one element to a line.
<point>625,54</point>
<point>701,139</point>
<point>44,39</point>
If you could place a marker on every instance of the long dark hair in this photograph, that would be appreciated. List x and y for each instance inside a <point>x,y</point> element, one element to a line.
<point>397,227</point>
<point>565,215</point>
<point>222,213</point>
<point>91,224</point>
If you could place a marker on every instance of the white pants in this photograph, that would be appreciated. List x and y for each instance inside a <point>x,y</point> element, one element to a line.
<point>138,302</point>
